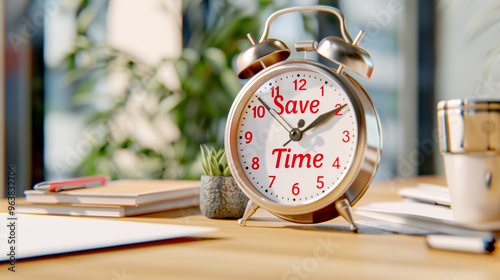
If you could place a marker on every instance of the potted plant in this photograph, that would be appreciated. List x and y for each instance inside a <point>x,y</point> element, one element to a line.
<point>220,196</point>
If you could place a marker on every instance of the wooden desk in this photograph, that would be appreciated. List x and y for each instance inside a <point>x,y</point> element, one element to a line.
<point>268,248</point>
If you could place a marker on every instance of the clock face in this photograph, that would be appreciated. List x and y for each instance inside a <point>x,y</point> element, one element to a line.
<point>296,136</point>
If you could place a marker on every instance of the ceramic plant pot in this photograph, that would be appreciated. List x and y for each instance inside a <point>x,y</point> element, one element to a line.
<point>221,198</point>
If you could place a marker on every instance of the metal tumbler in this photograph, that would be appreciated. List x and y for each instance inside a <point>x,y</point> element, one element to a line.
<point>469,139</point>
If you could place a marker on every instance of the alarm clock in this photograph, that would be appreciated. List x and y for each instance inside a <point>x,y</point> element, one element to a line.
<point>303,140</point>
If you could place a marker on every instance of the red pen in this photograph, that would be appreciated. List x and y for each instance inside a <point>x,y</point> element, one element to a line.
<point>70,184</point>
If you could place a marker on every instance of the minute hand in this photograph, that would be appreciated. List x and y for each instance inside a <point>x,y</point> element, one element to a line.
<point>323,118</point>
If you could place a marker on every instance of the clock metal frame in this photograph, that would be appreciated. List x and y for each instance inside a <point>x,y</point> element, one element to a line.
<point>356,180</point>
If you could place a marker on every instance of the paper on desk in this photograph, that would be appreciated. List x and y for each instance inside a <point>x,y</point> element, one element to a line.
<point>393,227</point>
<point>409,207</point>
<point>427,193</point>
<point>39,235</point>
<point>422,215</point>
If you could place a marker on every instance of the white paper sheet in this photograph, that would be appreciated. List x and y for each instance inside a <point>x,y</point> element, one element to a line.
<point>39,235</point>
<point>427,193</point>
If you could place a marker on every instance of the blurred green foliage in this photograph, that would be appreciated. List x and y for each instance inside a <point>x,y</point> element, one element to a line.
<point>193,115</point>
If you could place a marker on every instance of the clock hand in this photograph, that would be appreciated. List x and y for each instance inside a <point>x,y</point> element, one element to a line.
<point>276,116</point>
<point>323,118</point>
<point>296,133</point>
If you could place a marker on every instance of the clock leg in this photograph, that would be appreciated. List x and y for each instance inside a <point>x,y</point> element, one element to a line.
<point>249,211</point>
<point>344,208</point>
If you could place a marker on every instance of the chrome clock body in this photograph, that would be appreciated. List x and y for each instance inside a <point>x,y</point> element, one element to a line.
<point>303,140</point>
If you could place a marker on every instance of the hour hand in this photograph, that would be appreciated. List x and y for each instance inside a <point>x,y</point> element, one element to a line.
<point>296,133</point>
<point>323,118</point>
<point>276,116</point>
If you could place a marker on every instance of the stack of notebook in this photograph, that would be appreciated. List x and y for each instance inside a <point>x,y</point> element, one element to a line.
<point>114,199</point>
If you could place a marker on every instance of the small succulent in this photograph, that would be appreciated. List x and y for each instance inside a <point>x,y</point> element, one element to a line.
<point>214,163</point>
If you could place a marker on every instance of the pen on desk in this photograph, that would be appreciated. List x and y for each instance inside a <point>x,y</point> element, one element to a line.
<point>467,244</point>
<point>70,184</point>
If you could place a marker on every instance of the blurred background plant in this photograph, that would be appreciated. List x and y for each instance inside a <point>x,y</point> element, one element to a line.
<point>154,125</point>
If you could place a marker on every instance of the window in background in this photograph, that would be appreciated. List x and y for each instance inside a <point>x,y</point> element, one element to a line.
<point>67,138</point>
<point>391,40</point>
<point>22,49</point>
<point>83,77</point>
<point>467,52</point>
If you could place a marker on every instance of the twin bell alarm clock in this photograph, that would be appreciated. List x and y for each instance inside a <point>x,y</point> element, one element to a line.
<point>303,140</point>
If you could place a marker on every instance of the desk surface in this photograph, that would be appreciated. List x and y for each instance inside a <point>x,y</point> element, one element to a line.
<point>268,248</point>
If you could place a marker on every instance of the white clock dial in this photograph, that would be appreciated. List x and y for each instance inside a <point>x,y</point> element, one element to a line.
<point>292,146</point>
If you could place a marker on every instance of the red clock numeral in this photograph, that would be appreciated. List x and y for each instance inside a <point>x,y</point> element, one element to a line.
<point>248,137</point>
<point>338,112</point>
<point>302,85</point>
<point>255,163</point>
<point>346,138</point>
<point>336,163</point>
<point>322,90</point>
<point>275,89</point>
<point>321,184</point>
<point>258,111</point>
<point>295,189</point>
<point>272,177</point>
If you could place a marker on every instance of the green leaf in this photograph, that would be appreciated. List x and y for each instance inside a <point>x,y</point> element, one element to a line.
<point>204,161</point>
<point>213,168</point>
<point>220,154</point>
<point>227,172</point>
<point>214,162</point>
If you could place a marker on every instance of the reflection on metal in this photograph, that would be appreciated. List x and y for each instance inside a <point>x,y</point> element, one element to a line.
<point>469,126</point>
<point>347,55</point>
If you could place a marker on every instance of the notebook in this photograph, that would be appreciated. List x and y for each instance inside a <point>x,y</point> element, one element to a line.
<point>40,235</point>
<point>429,193</point>
<point>120,192</point>
<point>104,210</point>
